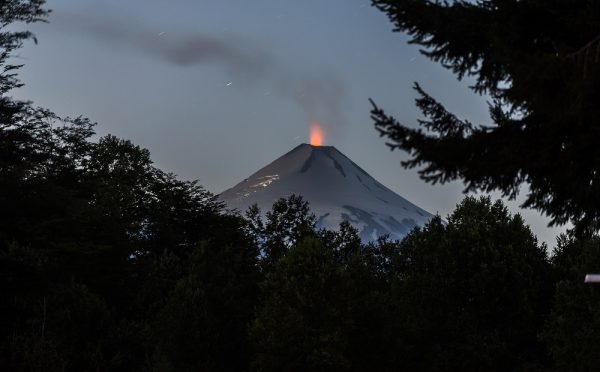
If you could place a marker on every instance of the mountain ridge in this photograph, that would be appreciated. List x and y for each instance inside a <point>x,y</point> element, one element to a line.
<point>336,188</point>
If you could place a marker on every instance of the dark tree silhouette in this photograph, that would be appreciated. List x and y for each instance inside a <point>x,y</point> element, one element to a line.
<point>471,294</point>
<point>288,222</point>
<point>573,328</point>
<point>301,321</point>
<point>539,62</point>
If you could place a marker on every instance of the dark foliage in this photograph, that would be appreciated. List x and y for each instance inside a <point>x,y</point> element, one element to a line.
<point>573,331</point>
<point>302,320</point>
<point>539,61</point>
<point>470,294</point>
<point>285,224</point>
<point>108,263</point>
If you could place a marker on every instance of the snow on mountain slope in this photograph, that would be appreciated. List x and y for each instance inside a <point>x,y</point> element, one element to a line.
<point>336,188</point>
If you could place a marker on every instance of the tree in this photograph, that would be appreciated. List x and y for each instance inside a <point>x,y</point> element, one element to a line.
<point>203,322</point>
<point>301,322</point>
<point>17,119</point>
<point>287,223</point>
<point>538,61</point>
<point>470,294</point>
<point>573,329</point>
<point>371,318</point>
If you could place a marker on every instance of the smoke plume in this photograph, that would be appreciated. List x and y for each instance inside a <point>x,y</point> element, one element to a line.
<point>320,95</point>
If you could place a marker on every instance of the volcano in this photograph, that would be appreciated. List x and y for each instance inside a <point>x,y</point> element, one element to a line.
<point>336,188</point>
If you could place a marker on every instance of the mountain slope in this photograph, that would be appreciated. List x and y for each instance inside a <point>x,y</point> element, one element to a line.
<point>336,188</point>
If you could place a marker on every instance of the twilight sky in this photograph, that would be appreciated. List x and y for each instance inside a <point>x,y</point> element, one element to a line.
<point>216,89</point>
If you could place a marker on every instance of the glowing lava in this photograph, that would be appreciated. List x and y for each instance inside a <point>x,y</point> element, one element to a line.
<point>316,134</point>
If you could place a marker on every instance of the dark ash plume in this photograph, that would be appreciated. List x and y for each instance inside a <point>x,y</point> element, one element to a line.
<point>320,96</point>
<point>237,57</point>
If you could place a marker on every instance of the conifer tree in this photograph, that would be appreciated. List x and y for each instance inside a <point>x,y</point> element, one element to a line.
<point>539,63</point>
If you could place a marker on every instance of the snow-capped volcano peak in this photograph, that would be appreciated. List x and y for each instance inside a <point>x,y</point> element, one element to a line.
<point>336,188</point>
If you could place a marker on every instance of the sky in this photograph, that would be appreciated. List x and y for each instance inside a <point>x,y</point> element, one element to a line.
<point>217,89</point>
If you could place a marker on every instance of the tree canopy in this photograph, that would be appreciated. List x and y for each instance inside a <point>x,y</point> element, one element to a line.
<point>573,329</point>
<point>473,292</point>
<point>539,63</point>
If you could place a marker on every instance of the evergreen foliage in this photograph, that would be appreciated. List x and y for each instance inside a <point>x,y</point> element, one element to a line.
<point>473,293</point>
<point>287,223</point>
<point>539,62</point>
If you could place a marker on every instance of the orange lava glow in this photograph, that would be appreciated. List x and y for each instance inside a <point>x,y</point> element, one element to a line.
<point>316,134</point>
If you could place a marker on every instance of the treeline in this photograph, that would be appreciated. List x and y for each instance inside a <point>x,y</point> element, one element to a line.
<point>108,263</point>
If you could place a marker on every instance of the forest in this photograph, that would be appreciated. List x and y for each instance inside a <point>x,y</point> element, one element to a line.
<point>108,263</point>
